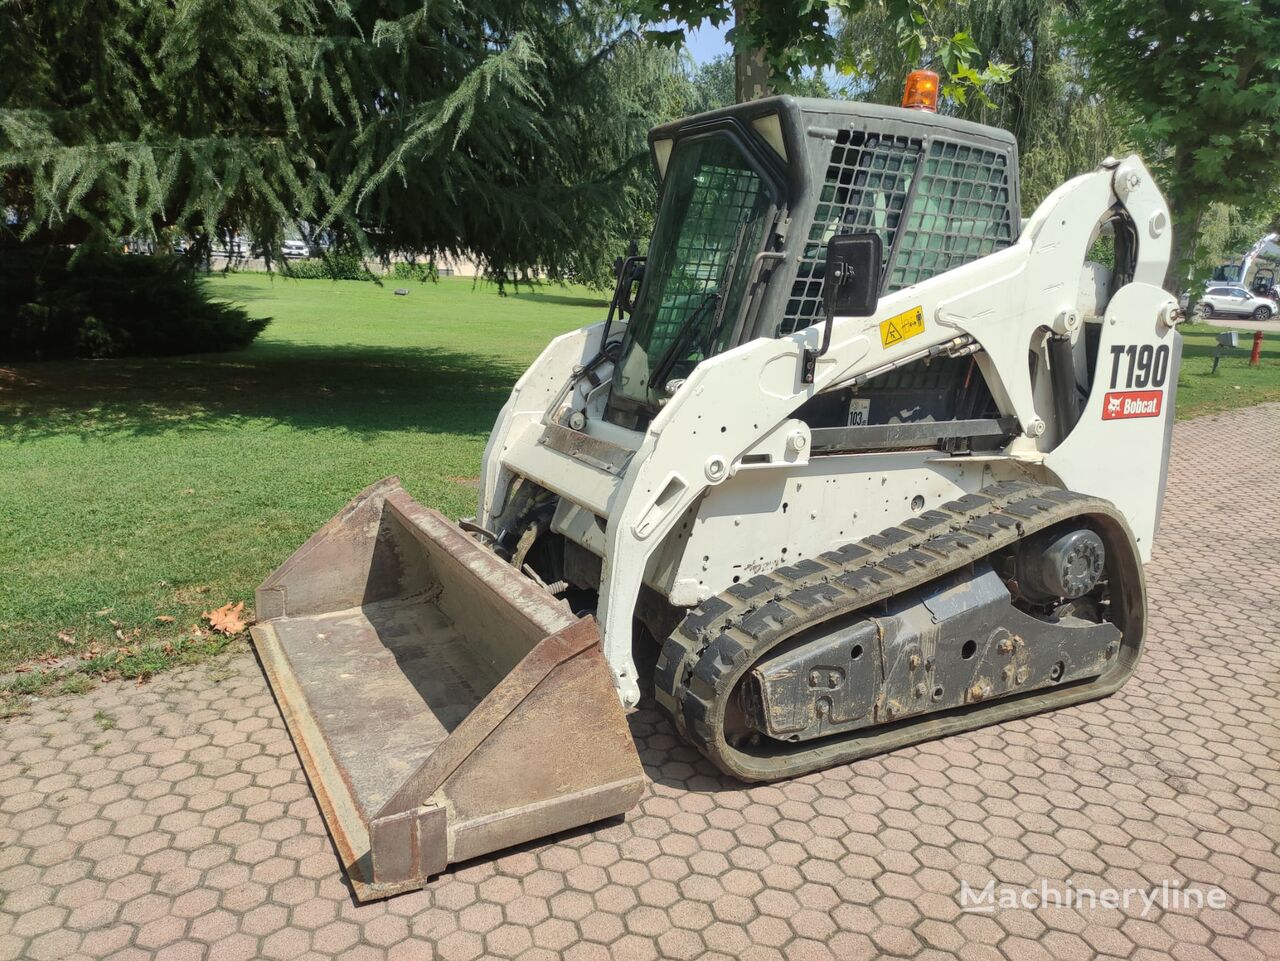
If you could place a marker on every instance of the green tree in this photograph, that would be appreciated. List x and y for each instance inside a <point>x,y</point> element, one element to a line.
<point>776,41</point>
<point>1204,80</point>
<point>713,84</point>
<point>1062,129</point>
<point>508,130</point>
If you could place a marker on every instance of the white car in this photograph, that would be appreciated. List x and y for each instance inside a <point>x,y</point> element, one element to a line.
<point>292,249</point>
<point>1235,301</point>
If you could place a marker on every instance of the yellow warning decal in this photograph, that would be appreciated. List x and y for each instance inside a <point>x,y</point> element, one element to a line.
<point>902,327</point>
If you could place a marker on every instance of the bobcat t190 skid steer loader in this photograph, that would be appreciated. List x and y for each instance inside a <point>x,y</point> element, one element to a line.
<point>859,458</point>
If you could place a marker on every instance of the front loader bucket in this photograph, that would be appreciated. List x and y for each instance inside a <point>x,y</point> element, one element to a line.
<point>444,706</point>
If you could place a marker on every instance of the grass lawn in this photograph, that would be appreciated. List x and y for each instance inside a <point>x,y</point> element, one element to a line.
<point>137,490</point>
<point>164,488</point>
<point>1236,384</point>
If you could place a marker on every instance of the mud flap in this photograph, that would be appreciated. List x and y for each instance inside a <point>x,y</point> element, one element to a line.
<point>443,705</point>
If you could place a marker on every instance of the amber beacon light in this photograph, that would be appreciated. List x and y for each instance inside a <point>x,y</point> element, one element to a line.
<point>921,91</point>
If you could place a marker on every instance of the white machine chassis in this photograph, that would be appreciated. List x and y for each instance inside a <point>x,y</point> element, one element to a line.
<point>724,467</point>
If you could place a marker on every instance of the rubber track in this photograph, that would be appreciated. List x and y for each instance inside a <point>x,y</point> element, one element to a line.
<point>718,641</point>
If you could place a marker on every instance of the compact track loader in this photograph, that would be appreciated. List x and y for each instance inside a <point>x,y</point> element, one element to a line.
<point>858,458</point>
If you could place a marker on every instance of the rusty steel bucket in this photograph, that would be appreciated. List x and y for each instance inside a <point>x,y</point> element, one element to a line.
<point>443,705</point>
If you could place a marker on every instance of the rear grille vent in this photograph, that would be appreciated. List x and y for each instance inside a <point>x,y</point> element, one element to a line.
<point>960,212</point>
<point>960,209</point>
<point>865,189</point>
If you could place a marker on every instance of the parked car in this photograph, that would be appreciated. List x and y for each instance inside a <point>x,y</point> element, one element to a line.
<point>293,249</point>
<point>321,243</point>
<point>231,246</point>
<point>1235,301</point>
<point>138,245</point>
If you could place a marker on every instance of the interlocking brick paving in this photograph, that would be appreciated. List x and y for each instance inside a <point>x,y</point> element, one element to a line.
<point>173,820</point>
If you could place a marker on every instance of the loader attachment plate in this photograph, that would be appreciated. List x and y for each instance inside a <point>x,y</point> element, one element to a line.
<point>443,705</point>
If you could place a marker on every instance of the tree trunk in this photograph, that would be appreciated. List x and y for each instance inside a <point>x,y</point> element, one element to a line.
<point>751,79</point>
<point>1187,212</point>
<point>1182,252</point>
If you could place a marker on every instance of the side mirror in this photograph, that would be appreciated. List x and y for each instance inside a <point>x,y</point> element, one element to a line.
<point>850,288</point>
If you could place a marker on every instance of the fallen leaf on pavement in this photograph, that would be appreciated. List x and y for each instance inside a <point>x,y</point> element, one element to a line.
<point>227,618</point>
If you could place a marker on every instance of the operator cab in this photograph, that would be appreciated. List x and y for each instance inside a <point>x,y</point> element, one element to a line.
<point>751,194</point>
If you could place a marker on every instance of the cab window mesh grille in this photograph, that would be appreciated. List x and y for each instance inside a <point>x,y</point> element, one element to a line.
<point>961,209</point>
<point>723,198</point>
<point>960,212</point>
<point>865,189</point>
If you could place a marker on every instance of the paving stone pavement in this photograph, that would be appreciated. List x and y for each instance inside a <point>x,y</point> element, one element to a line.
<point>173,820</point>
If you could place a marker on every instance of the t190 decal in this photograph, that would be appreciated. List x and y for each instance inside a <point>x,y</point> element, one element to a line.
<point>1142,366</point>
<point>1136,366</point>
